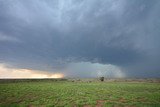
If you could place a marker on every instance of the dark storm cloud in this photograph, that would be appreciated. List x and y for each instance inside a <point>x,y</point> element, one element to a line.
<point>46,35</point>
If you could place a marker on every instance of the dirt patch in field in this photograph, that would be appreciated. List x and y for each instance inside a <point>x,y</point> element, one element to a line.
<point>36,106</point>
<point>87,106</point>
<point>31,106</point>
<point>100,103</point>
<point>122,100</point>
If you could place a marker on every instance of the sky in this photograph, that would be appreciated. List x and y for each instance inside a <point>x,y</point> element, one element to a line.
<point>79,38</point>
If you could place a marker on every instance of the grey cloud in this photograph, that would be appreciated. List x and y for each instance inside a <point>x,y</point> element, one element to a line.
<point>55,33</point>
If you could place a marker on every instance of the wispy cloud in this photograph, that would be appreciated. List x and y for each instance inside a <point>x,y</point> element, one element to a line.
<point>7,38</point>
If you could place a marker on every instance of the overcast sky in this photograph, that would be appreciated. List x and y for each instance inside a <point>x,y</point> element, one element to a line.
<point>81,38</point>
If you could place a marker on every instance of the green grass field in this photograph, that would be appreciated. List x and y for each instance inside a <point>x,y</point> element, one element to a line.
<point>79,94</point>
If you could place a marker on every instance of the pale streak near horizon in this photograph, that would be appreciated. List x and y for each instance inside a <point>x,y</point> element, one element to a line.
<point>26,73</point>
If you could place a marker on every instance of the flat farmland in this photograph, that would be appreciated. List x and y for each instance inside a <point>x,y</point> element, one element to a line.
<point>79,94</point>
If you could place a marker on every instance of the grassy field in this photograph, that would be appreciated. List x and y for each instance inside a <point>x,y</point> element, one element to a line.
<point>79,94</point>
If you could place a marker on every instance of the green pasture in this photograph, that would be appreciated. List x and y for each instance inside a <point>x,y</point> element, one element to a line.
<point>79,94</point>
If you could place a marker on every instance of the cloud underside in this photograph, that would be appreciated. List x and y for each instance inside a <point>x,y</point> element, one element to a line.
<point>73,70</point>
<point>56,35</point>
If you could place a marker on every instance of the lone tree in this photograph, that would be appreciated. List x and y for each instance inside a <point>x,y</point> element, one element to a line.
<point>102,79</point>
